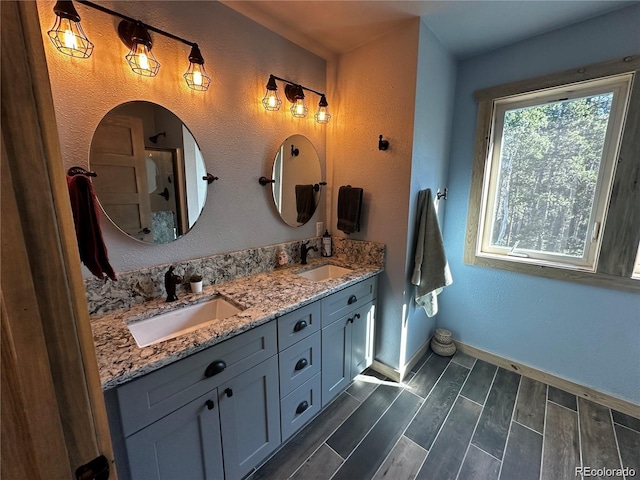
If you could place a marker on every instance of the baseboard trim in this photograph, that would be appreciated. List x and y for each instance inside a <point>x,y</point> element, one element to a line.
<point>605,399</point>
<point>399,375</point>
<point>386,370</point>
<point>416,357</point>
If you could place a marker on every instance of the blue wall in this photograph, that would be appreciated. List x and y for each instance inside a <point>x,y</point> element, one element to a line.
<point>435,94</point>
<point>589,335</point>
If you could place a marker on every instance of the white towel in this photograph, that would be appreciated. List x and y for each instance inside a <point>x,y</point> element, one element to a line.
<point>431,271</point>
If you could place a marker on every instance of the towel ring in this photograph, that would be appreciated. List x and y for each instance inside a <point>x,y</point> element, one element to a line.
<point>73,171</point>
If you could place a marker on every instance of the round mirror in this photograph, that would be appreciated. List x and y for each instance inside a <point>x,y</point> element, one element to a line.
<point>297,180</point>
<point>149,172</point>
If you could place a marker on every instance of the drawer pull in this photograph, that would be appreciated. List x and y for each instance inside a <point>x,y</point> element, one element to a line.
<point>301,364</point>
<point>352,299</point>
<point>300,325</point>
<point>355,317</point>
<point>209,404</point>
<point>228,392</point>
<point>215,368</point>
<point>302,407</point>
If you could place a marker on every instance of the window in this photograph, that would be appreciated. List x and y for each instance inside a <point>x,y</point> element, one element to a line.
<point>550,172</point>
<point>551,190</point>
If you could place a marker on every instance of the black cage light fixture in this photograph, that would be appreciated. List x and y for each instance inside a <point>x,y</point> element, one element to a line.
<point>67,34</point>
<point>69,38</point>
<point>295,94</point>
<point>140,57</point>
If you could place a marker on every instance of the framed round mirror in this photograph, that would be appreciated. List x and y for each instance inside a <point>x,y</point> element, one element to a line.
<point>149,172</point>
<point>297,180</point>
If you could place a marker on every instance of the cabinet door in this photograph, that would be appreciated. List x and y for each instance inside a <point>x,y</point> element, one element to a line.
<point>184,444</point>
<point>336,359</point>
<point>250,418</point>
<point>362,339</point>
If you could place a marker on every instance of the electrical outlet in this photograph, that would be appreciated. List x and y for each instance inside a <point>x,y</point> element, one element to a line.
<point>319,229</point>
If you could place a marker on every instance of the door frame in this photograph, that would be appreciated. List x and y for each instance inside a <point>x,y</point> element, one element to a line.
<point>55,419</point>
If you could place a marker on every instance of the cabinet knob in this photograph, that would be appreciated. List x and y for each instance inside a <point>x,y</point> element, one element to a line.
<point>301,364</point>
<point>302,407</point>
<point>215,368</point>
<point>228,392</point>
<point>209,404</point>
<point>352,299</point>
<point>300,325</point>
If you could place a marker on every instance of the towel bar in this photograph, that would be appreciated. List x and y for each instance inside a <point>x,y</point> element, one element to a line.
<point>440,195</point>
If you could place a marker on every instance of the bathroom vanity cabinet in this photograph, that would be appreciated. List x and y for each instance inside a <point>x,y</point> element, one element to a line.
<point>218,413</point>
<point>216,408</point>
<point>348,319</point>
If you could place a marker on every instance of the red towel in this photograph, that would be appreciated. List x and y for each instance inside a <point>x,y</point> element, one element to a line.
<point>93,251</point>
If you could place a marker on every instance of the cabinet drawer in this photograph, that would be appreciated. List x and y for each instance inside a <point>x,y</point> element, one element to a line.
<point>145,400</point>
<point>299,324</point>
<point>340,303</point>
<point>294,413</point>
<point>299,363</point>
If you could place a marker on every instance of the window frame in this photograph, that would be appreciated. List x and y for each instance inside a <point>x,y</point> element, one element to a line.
<point>620,231</point>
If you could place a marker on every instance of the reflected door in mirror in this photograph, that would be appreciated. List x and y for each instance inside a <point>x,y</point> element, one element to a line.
<point>118,157</point>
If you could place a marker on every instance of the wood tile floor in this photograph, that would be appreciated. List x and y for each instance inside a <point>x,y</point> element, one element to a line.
<point>457,418</point>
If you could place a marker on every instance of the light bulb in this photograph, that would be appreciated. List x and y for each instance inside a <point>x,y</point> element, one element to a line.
<point>70,40</point>
<point>197,78</point>
<point>143,61</point>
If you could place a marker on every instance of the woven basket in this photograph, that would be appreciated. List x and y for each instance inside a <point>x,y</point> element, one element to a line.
<point>444,350</point>
<point>443,336</point>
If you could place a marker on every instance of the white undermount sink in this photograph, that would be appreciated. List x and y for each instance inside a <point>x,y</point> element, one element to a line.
<point>325,272</point>
<point>178,322</point>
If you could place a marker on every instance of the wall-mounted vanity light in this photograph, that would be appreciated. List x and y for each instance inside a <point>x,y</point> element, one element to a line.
<point>295,94</point>
<point>67,34</point>
<point>140,58</point>
<point>196,76</point>
<point>68,37</point>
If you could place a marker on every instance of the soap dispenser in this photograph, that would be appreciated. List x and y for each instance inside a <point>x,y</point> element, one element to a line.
<point>327,244</point>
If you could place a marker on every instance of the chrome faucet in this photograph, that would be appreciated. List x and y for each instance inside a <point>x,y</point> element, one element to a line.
<point>304,250</point>
<point>170,282</point>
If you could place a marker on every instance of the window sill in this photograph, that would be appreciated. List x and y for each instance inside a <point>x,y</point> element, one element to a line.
<point>566,274</point>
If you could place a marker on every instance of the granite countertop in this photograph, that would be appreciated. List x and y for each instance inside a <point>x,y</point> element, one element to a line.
<point>261,297</point>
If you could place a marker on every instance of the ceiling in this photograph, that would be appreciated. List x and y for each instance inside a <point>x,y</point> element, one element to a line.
<point>332,27</point>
